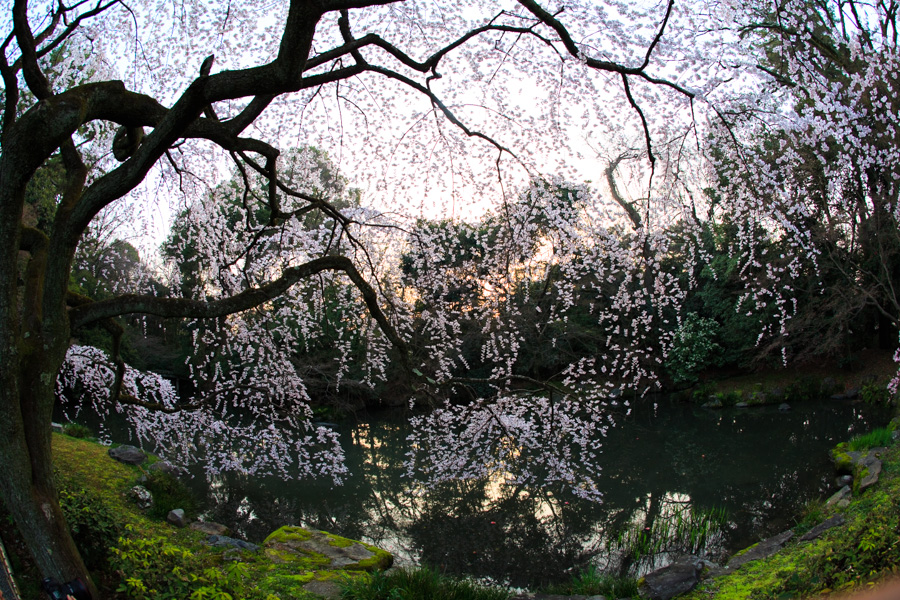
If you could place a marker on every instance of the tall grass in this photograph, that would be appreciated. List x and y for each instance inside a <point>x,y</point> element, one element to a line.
<point>873,439</point>
<point>417,584</point>
<point>684,530</point>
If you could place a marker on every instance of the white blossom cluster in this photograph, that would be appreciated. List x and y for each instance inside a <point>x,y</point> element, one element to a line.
<point>811,160</point>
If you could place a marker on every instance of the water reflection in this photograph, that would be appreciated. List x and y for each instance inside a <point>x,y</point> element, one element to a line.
<point>661,466</point>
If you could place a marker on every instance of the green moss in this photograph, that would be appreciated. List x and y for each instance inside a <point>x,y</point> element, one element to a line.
<point>288,534</point>
<point>846,558</point>
<point>338,541</point>
<point>843,463</point>
<point>381,561</point>
<point>280,571</point>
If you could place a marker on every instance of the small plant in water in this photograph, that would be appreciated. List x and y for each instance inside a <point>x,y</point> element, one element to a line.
<point>680,529</point>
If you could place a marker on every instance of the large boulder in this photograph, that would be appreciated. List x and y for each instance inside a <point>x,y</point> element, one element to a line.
<point>128,455</point>
<point>324,551</point>
<point>678,578</point>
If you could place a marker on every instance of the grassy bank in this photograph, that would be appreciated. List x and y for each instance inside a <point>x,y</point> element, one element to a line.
<point>134,553</point>
<point>862,553</point>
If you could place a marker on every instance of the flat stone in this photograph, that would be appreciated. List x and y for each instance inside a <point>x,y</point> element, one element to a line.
<point>711,570</point>
<point>818,530</point>
<point>842,494</point>
<point>210,528</point>
<point>176,518</point>
<point>784,407</point>
<point>678,578</point>
<point>230,542</point>
<point>764,549</point>
<point>128,455</point>
<point>741,405</point>
<point>872,470</point>
<point>325,589</point>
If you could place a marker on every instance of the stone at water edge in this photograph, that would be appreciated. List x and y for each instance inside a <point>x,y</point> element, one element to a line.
<point>678,578</point>
<point>784,407</point>
<point>290,544</point>
<point>818,530</point>
<point>764,549</point>
<point>210,528</point>
<point>176,518</point>
<point>167,468</point>
<point>128,455</point>
<point>141,496</point>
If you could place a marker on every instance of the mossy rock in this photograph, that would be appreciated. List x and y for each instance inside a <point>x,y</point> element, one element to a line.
<point>844,462</point>
<point>321,550</point>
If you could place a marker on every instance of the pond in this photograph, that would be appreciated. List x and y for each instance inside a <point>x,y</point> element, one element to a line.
<point>732,476</point>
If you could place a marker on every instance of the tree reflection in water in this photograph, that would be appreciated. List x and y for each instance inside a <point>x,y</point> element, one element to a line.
<point>659,465</point>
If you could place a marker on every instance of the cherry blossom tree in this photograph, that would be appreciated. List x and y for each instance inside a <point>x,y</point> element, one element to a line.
<point>143,101</point>
<point>807,170</point>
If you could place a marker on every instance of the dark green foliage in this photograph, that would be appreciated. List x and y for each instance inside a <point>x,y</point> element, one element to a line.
<point>169,493</point>
<point>803,390</point>
<point>77,431</point>
<point>873,393</point>
<point>593,582</point>
<point>417,584</point>
<point>154,569</point>
<point>693,349</point>
<point>95,527</point>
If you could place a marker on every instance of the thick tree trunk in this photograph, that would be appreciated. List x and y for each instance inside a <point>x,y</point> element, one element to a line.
<point>29,362</point>
<point>29,490</point>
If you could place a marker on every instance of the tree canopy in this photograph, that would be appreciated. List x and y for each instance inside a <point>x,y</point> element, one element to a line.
<point>440,191</point>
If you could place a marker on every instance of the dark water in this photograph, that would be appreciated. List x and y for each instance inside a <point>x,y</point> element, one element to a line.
<point>661,464</point>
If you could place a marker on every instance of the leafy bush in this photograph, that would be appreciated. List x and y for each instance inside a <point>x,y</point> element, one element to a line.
<point>417,584</point>
<point>152,568</point>
<point>77,431</point>
<point>169,493</point>
<point>803,390</point>
<point>94,526</point>
<point>873,393</point>
<point>693,348</point>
